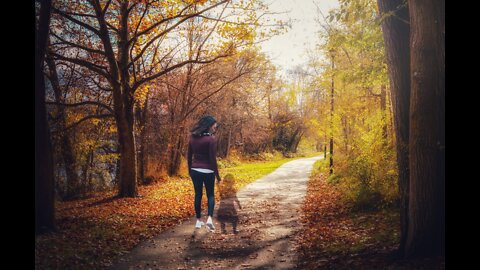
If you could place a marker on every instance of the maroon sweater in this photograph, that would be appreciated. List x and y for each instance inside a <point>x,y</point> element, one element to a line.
<point>202,153</point>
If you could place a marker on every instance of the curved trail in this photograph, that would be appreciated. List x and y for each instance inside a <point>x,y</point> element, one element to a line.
<point>267,222</point>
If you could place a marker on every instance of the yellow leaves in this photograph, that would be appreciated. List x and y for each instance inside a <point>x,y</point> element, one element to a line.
<point>107,157</point>
<point>235,31</point>
<point>95,121</point>
<point>140,95</point>
<point>172,11</point>
<point>112,129</point>
<point>196,2</point>
<point>171,8</point>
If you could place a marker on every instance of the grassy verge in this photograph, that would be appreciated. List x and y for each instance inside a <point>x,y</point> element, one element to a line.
<point>334,236</point>
<point>92,233</point>
<point>247,173</point>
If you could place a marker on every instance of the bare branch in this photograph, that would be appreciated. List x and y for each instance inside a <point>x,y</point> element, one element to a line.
<point>107,43</point>
<point>167,30</point>
<point>209,34</point>
<point>99,86</point>
<point>63,41</point>
<point>106,7</point>
<point>166,70</point>
<point>96,116</point>
<point>105,106</point>
<point>85,25</point>
<point>80,14</point>
<point>95,68</point>
<point>111,27</point>
<point>141,19</point>
<point>153,26</point>
<point>132,6</point>
<point>214,92</point>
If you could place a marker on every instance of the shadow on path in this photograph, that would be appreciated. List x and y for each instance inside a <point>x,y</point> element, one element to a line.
<point>266,223</point>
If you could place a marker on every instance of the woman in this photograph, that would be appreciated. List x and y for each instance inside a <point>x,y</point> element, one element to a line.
<point>202,165</point>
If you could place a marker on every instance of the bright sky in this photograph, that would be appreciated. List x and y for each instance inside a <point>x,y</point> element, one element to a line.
<point>290,49</point>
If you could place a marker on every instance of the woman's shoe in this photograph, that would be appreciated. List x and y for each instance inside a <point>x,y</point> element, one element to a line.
<point>210,225</point>
<point>199,224</point>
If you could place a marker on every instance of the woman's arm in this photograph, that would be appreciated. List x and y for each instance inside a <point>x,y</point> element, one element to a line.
<point>189,156</point>
<point>238,202</point>
<point>213,157</point>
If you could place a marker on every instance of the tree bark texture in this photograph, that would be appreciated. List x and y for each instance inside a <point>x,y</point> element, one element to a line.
<point>396,32</point>
<point>44,179</point>
<point>426,226</point>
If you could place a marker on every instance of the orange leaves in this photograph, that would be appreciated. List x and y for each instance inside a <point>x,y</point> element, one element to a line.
<point>93,231</point>
<point>334,236</point>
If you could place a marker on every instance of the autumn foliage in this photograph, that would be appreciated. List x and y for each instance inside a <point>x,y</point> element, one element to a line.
<point>92,232</point>
<point>120,83</point>
<point>336,236</point>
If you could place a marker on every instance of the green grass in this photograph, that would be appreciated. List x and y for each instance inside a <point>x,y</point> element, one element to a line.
<point>246,173</point>
<point>319,166</point>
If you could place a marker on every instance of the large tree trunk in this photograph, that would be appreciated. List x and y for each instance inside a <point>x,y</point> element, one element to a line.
<point>426,227</point>
<point>65,143</point>
<point>396,33</point>
<point>128,168</point>
<point>124,112</point>
<point>44,181</point>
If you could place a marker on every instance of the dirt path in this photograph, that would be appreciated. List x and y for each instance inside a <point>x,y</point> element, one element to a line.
<point>267,222</point>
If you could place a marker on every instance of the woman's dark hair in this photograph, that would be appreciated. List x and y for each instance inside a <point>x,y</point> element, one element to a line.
<point>202,126</point>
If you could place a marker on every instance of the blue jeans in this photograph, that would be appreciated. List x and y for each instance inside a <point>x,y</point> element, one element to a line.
<point>198,180</point>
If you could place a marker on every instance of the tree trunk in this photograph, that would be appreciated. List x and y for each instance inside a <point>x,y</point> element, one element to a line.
<point>142,121</point>
<point>83,185</point>
<point>141,157</point>
<point>383,109</point>
<point>44,180</point>
<point>128,168</point>
<point>176,152</point>
<point>426,227</point>
<point>116,180</point>
<point>297,142</point>
<point>331,117</point>
<point>391,126</point>
<point>229,142</point>
<point>89,183</point>
<point>65,143</point>
<point>124,112</point>
<point>396,33</point>
<point>325,146</point>
<point>291,143</point>
<point>345,133</point>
